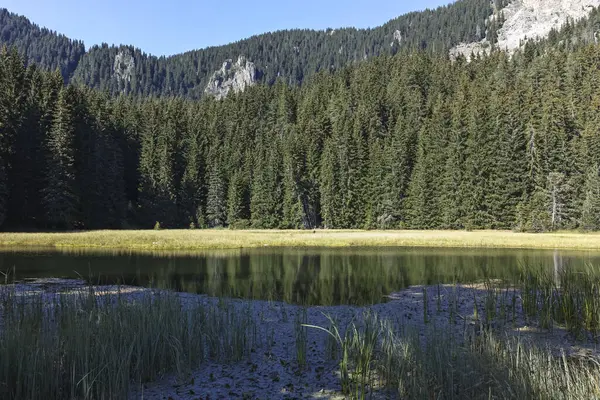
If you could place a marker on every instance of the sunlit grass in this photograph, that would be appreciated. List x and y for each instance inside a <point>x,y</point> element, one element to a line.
<point>567,298</point>
<point>149,240</point>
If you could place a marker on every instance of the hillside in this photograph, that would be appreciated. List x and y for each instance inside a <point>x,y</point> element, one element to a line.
<point>410,141</point>
<point>41,46</point>
<point>520,21</point>
<point>415,140</point>
<point>291,54</point>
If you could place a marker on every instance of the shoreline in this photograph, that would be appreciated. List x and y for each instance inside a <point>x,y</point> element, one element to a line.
<point>272,366</point>
<point>222,239</point>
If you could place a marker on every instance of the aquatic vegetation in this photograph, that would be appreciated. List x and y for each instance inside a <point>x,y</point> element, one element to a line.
<point>566,297</point>
<point>88,345</point>
<point>437,365</point>
<point>96,344</point>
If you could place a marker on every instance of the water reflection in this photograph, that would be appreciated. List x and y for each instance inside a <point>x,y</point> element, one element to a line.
<point>301,276</point>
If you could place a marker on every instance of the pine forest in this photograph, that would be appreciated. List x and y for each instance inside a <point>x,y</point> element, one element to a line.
<point>412,140</point>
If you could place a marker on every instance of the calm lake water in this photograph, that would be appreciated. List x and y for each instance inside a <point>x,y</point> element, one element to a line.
<point>301,276</point>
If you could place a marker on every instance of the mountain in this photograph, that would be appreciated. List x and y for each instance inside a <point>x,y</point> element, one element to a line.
<point>40,45</point>
<point>291,55</point>
<point>412,140</point>
<point>463,28</point>
<point>521,20</point>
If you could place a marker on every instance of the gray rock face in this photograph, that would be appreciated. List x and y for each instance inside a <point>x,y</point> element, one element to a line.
<point>123,66</point>
<point>232,76</point>
<point>529,19</point>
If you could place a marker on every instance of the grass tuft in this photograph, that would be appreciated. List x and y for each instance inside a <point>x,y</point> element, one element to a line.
<point>88,345</point>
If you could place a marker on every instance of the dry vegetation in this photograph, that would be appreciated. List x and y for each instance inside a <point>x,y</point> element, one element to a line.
<point>231,239</point>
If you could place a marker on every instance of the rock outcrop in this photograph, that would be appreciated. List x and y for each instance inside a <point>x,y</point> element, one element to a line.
<point>529,19</point>
<point>232,76</point>
<point>124,66</point>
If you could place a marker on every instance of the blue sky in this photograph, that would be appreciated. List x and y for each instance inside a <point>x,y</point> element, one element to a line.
<point>173,26</point>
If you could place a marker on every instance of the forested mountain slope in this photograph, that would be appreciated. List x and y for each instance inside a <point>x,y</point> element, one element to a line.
<point>42,46</point>
<point>520,21</point>
<point>410,141</point>
<point>292,54</point>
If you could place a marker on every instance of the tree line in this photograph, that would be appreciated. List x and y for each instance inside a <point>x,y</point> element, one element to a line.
<point>407,141</point>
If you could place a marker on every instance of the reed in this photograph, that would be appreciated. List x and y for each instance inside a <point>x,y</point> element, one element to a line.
<point>89,345</point>
<point>402,364</point>
<point>568,298</point>
<point>301,337</point>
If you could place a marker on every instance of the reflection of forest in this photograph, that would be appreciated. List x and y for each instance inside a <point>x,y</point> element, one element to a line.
<point>301,276</point>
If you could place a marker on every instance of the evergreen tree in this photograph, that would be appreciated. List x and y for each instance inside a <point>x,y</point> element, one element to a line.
<point>61,198</point>
<point>237,199</point>
<point>216,202</point>
<point>591,205</point>
<point>4,193</point>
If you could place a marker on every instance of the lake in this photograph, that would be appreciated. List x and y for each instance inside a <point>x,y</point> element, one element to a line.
<point>313,276</point>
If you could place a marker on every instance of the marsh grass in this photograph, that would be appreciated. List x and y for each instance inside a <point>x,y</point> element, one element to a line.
<point>88,345</point>
<point>376,355</point>
<point>344,340</point>
<point>198,239</point>
<point>403,364</point>
<point>569,298</point>
<point>301,337</point>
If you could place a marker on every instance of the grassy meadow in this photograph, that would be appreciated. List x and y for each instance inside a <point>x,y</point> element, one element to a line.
<point>152,240</point>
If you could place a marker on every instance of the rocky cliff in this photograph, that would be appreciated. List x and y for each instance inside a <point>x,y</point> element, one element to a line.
<point>232,76</point>
<point>124,66</point>
<point>528,19</point>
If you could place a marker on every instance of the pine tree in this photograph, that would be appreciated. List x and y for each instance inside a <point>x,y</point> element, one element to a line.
<point>267,196</point>
<point>590,219</point>
<point>423,208</point>
<point>4,193</point>
<point>237,200</point>
<point>216,202</point>
<point>60,195</point>
<point>13,96</point>
<point>293,216</point>
<point>452,196</point>
<point>330,206</point>
<point>193,188</point>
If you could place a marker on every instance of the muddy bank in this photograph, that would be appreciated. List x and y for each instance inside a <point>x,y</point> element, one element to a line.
<point>273,370</point>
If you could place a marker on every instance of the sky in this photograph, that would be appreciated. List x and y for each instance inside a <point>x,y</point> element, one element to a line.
<point>165,27</point>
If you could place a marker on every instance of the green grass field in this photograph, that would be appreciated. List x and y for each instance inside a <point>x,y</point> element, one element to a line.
<point>149,240</point>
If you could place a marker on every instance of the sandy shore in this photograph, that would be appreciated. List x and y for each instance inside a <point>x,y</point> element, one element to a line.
<point>272,370</point>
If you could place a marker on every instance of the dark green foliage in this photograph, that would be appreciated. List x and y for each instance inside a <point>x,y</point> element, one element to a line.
<point>293,54</point>
<point>590,219</point>
<point>216,201</point>
<point>4,193</point>
<point>412,140</point>
<point>38,45</point>
<point>61,196</point>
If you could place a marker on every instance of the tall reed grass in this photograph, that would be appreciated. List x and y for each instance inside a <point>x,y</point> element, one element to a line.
<point>92,346</point>
<point>404,364</point>
<point>569,298</point>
